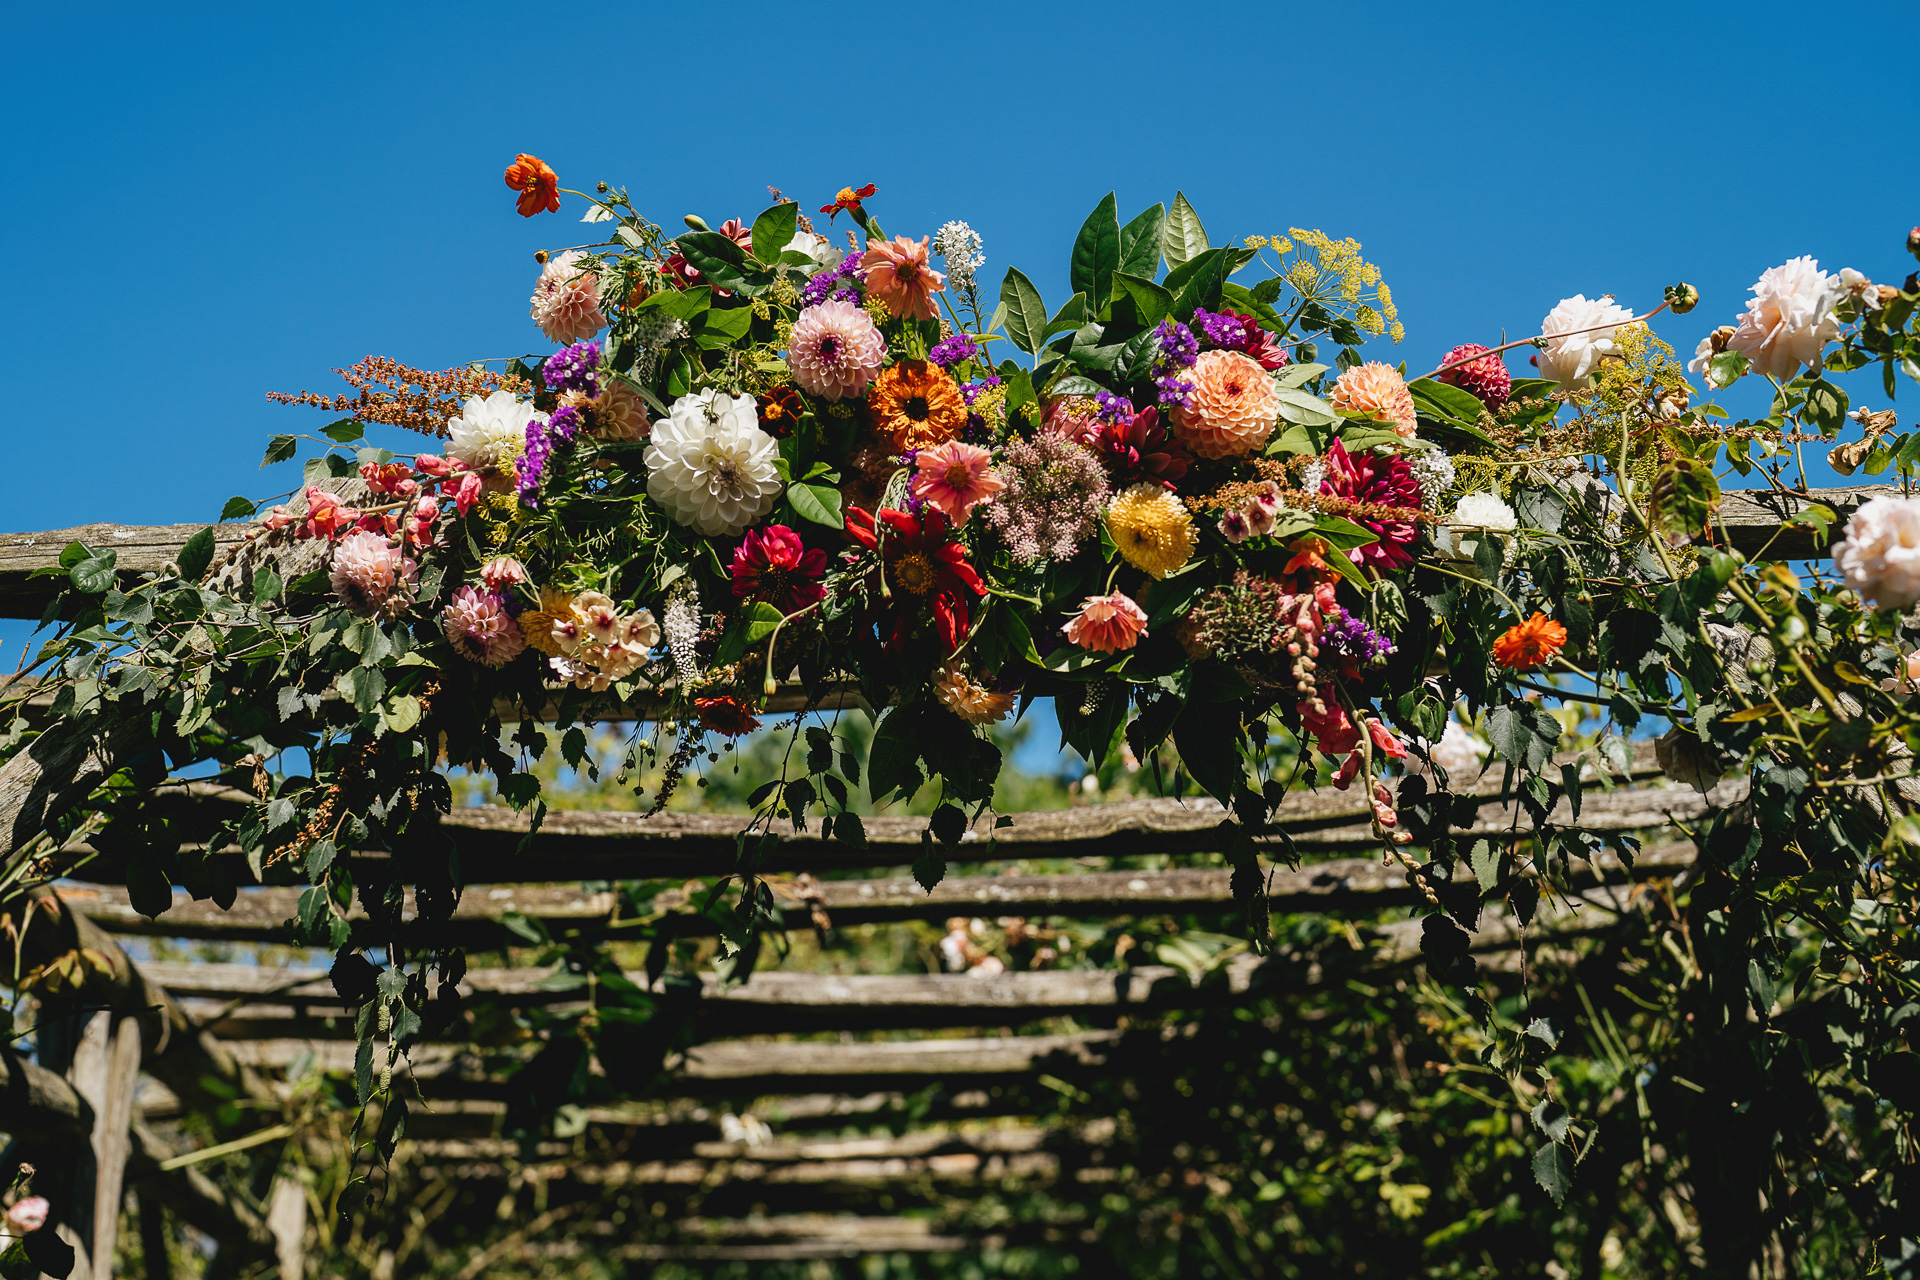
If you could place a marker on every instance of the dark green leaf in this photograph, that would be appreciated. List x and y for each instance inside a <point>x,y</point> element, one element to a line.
<point>1524,733</point>
<point>1096,253</point>
<point>196,555</point>
<point>1151,303</point>
<point>1185,238</point>
<point>94,574</point>
<point>279,449</point>
<point>238,509</point>
<point>1549,1117</point>
<point>1140,243</point>
<point>1026,313</point>
<point>346,431</point>
<point>1826,407</point>
<point>817,503</point>
<point>149,891</point>
<point>929,869</point>
<point>1553,1167</point>
<point>849,830</point>
<point>948,824</point>
<point>773,230</point>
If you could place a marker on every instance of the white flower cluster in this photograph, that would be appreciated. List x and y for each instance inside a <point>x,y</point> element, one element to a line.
<point>651,336</point>
<point>682,626</point>
<point>711,466</point>
<point>1788,322</point>
<point>1578,333</point>
<point>1434,470</point>
<point>1880,556</point>
<point>960,245</point>
<point>491,430</point>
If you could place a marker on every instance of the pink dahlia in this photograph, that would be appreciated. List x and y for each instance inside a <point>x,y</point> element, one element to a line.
<point>479,629</point>
<point>1107,624</point>
<point>1139,449</point>
<point>620,413</point>
<point>1385,493</point>
<point>566,300</point>
<point>955,478</point>
<point>1231,407</point>
<point>897,275</point>
<point>773,565</point>
<point>366,569</point>
<point>1376,391</point>
<point>1487,380</point>
<point>835,351</point>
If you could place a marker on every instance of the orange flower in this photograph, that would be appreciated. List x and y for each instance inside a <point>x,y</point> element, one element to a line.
<point>916,404</point>
<point>848,199</point>
<point>539,186</point>
<point>726,714</point>
<point>897,276</point>
<point>1530,643</point>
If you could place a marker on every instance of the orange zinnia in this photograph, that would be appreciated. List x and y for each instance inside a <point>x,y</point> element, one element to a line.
<point>916,404</point>
<point>539,186</point>
<point>1529,643</point>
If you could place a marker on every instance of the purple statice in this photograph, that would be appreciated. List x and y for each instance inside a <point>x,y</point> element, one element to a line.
<point>842,284</point>
<point>564,423</point>
<point>1176,350</point>
<point>971,391</point>
<point>1347,634</point>
<point>574,368</point>
<point>1223,329</point>
<point>531,466</point>
<point>951,351</point>
<point>1112,408</point>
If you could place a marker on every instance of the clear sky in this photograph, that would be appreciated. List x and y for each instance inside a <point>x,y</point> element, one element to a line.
<point>212,202</point>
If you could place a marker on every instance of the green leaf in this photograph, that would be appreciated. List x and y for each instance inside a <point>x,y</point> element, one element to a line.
<point>266,584</point>
<point>929,869</point>
<point>1072,315</point>
<point>849,830</point>
<point>1026,313</point>
<point>1096,253</point>
<point>1152,302</point>
<point>722,262</point>
<point>1140,243</point>
<point>401,714</point>
<point>196,555</point>
<point>773,230</point>
<point>94,574</point>
<point>762,618</point>
<point>346,431</point>
<point>1826,407</point>
<point>1524,733</point>
<point>279,449</point>
<point>892,759</point>
<point>238,509</point>
<point>1185,239</point>
<point>1553,1167</point>
<point>817,503</point>
<point>1448,403</point>
<point>1203,286</point>
<point>718,328</point>
<point>149,891</point>
<point>1306,409</point>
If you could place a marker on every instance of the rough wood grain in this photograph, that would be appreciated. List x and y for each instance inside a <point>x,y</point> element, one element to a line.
<point>1753,518</point>
<point>112,1130</point>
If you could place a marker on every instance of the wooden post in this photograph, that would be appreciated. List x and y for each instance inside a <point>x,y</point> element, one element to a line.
<point>287,1219</point>
<point>112,1136</point>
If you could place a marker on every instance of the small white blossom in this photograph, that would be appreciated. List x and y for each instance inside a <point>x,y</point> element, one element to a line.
<point>491,430</point>
<point>681,624</point>
<point>1435,472</point>
<point>1475,511</point>
<point>960,245</point>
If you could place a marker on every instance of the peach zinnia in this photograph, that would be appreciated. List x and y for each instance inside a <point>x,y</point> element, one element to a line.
<point>917,404</point>
<point>1379,392</point>
<point>1530,643</point>
<point>1107,624</point>
<point>1232,409</point>
<point>955,478</point>
<point>898,276</point>
<point>538,185</point>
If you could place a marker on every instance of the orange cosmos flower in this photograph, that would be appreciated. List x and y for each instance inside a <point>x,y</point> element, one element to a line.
<point>848,199</point>
<point>539,186</point>
<point>1530,643</point>
<point>916,404</point>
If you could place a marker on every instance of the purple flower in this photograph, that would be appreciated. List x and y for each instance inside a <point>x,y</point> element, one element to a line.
<point>1178,348</point>
<point>1112,408</point>
<point>822,285</point>
<point>1347,634</point>
<point>952,351</point>
<point>1175,391</point>
<point>532,464</point>
<point>819,287</point>
<point>1222,329</point>
<point>564,423</point>
<point>970,391</point>
<point>574,368</point>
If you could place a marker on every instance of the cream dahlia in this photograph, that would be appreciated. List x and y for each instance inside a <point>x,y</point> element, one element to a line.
<point>1790,318</point>
<point>566,300</point>
<point>479,629</point>
<point>1880,556</point>
<point>1475,511</point>
<point>712,466</point>
<point>835,351</point>
<point>1378,391</point>
<point>366,570</point>
<point>1231,408</point>
<point>619,413</point>
<point>491,430</point>
<point>1570,354</point>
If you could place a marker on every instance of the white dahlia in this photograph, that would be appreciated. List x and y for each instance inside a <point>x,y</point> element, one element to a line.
<point>491,430</point>
<point>566,299</point>
<point>1790,319</point>
<point>835,351</point>
<point>1570,355</point>
<point>1458,751</point>
<point>1475,511</point>
<point>1880,556</point>
<point>712,466</point>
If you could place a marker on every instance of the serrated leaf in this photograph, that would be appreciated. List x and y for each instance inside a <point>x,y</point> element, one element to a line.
<point>849,830</point>
<point>238,509</point>
<point>196,555</point>
<point>1185,238</point>
<point>1553,1167</point>
<point>279,449</point>
<point>929,869</point>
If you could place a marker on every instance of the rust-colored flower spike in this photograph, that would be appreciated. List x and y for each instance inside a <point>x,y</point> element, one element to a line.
<point>538,185</point>
<point>1529,643</point>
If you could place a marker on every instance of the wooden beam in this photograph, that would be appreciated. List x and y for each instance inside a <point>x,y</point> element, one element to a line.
<point>108,1085</point>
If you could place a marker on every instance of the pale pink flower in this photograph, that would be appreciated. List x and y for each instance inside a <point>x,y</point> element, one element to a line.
<point>897,276</point>
<point>277,517</point>
<point>954,478</point>
<point>1880,556</point>
<point>29,1214</point>
<point>598,618</point>
<point>479,629</point>
<point>835,351</point>
<point>1232,409</point>
<point>1790,319</point>
<point>1107,624</point>
<point>327,516</point>
<point>502,572</point>
<point>566,300</point>
<point>1378,391</point>
<point>366,570</point>
<point>620,413</point>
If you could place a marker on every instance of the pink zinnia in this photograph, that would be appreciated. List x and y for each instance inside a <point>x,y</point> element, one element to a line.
<point>479,629</point>
<point>366,569</point>
<point>773,565</point>
<point>835,351</point>
<point>897,275</point>
<point>955,478</point>
<point>1107,624</point>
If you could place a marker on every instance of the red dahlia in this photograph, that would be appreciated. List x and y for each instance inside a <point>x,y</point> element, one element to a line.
<point>773,565</point>
<point>923,566</point>
<point>1487,380</point>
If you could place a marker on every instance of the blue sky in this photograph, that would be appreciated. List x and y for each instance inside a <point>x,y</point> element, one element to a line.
<point>209,204</point>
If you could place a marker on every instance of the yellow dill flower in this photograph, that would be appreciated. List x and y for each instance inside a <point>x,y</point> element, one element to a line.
<point>536,625</point>
<point>760,308</point>
<point>1369,321</point>
<point>1256,242</point>
<point>1397,331</point>
<point>1151,528</point>
<point>1281,245</point>
<point>1477,474</point>
<point>1304,276</point>
<point>782,292</point>
<point>876,311</point>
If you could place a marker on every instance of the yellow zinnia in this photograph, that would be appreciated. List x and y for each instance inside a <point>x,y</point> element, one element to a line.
<point>536,625</point>
<point>1152,529</point>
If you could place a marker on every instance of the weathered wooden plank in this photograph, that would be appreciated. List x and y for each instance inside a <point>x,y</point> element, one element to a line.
<point>138,548</point>
<point>1754,519</point>
<point>112,1130</point>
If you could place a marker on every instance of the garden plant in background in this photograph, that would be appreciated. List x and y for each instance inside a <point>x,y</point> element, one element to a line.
<point>758,465</point>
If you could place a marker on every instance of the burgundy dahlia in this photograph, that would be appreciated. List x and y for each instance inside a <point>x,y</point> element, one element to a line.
<point>1379,483</point>
<point>1138,449</point>
<point>1487,380</point>
<point>773,565</point>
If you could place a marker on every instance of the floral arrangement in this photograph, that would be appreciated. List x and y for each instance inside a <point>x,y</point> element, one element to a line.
<point>757,462</point>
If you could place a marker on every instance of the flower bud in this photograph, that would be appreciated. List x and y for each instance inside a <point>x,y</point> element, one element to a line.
<point>601,187</point>
<point>697,222</point>
<point>540,256</point>
<point>29,1215</point>
<point>1719,338</point>
<point>1682,298</point>
<point>1306,352</point>
<point>1913,242</point>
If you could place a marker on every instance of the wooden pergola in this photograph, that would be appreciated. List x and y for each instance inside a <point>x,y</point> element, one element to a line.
<point>788,1118</point>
